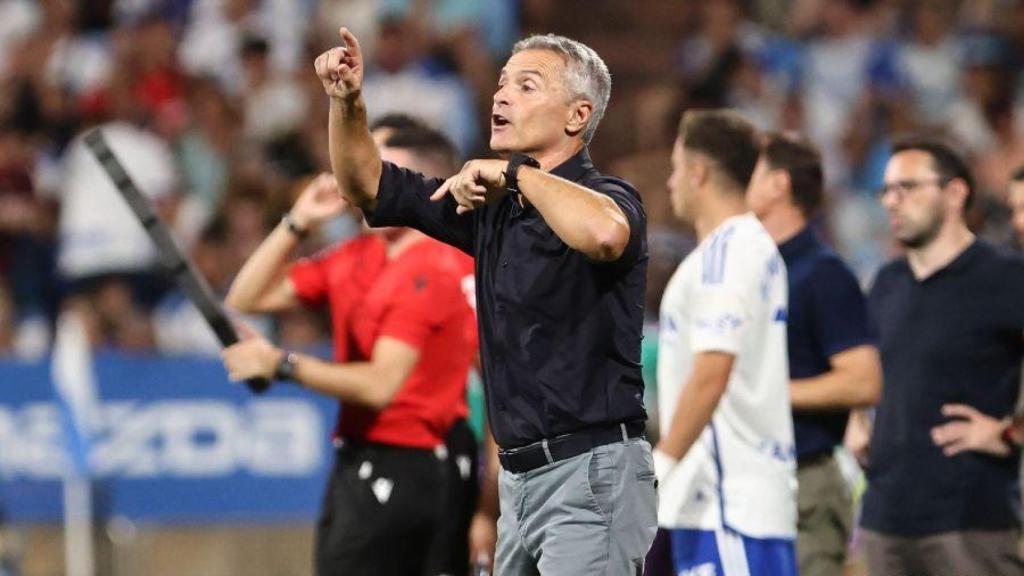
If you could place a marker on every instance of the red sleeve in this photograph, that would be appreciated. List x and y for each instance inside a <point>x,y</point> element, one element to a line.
<point>426,299</point>
<point>309,277</point>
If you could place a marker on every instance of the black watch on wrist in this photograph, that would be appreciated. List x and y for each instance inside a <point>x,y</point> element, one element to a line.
<point>512,170</point>
<point>286,367</point>
<point>294,228</point>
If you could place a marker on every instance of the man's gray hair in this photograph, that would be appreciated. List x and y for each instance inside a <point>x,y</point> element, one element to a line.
<point>586,75</point>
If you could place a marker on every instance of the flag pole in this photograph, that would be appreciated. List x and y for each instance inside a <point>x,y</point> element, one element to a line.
<point>78,404</point>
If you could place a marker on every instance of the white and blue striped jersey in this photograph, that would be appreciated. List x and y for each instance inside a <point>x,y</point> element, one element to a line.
<point>730,295</point>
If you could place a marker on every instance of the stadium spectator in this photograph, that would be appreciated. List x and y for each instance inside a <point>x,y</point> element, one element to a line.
<point>844,66</point>
<point>404,338</point>
<point>561,260</point>
<point>949,321</point>
<point>833,363</point>
<point>399,80</point>
<point>107,262</point>
<point>725,460</point>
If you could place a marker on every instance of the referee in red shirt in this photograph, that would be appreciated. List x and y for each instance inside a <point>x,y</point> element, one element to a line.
<point>404,340</point>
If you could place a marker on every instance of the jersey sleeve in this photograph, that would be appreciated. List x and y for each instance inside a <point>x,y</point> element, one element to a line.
<point>628,200</point>
<point>725,297</point>
<point>839,314</point>
<point>403,199</point>
<point>309,277</point>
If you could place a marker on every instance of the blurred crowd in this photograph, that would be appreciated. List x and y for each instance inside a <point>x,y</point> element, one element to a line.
<point>214,108</point>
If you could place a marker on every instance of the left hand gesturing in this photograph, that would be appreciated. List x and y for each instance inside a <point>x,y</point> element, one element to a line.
<point>480,182</point>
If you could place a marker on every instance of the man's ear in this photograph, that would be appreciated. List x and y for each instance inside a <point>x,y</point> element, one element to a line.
<point>578,116</point>
<point>699,171</point>
<point>958,194</point>
<point>781,185</point>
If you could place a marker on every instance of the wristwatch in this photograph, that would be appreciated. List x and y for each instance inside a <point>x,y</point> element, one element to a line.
<point>512,170</point>
<point>294,228</point>
<point>286,367</point>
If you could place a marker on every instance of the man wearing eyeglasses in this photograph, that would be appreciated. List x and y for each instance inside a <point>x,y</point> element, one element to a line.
<point>950,321</point>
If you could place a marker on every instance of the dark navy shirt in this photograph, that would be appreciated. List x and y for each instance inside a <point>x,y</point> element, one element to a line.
<point>954,337</point>
<point>559,333</point>
<point>827,315</point>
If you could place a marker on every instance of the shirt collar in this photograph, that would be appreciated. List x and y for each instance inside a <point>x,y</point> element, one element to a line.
<point>575,167</point>
<point>799,244</point>
<point>572,170</point>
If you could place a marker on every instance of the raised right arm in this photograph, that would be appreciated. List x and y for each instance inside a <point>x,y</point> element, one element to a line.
<point>355,159</point>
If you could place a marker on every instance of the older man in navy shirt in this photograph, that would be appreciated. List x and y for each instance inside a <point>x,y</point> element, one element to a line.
<point>833,364</point>
<point>561,262</point>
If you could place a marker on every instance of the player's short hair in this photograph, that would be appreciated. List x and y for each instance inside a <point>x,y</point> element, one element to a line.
<point>799,158</point>
<point>426,143</point>
<point>728,139</point>
<point>396,121</point>
<point>946,161</point>
<point>586,75</point>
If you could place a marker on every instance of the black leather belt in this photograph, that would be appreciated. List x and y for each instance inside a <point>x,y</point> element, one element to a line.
<point>548,451</point>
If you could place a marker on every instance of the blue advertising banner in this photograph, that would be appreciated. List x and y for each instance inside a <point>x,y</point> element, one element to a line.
<point>176,443</point>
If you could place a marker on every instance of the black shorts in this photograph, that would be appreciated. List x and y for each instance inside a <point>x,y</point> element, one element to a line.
<point>450,555</point>
<point>381,512</point>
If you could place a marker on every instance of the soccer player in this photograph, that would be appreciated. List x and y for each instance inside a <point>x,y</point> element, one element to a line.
<point>725,461</point>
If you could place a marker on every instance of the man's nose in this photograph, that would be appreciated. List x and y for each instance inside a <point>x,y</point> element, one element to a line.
<point>500,97</point>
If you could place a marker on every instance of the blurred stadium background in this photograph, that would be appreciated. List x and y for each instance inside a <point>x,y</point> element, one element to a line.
<point>215,107</point>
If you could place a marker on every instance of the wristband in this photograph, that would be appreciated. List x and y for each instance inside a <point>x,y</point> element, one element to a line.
<point>294,228</point>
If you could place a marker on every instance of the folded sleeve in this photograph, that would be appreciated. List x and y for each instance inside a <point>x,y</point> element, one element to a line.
<point>403,199</point>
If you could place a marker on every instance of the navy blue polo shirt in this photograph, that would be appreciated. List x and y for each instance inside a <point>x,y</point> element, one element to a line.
<point>827,315</point>
<point>954,337</point>
<point>559,333</point>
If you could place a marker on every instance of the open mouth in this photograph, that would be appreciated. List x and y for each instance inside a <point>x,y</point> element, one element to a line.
<point>498,121</point>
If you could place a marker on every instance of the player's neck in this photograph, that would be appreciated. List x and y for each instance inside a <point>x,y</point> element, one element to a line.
<point>783,223</point>
<point>937,254</point>
<point>718,209</point>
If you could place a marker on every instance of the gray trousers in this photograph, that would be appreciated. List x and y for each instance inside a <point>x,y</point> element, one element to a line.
<point>589,515</point>
<point>967,553</point>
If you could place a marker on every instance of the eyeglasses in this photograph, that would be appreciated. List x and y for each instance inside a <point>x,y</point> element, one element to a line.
<point>903,187</point>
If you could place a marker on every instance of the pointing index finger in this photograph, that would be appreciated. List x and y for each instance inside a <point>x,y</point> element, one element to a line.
<point>350,40</point>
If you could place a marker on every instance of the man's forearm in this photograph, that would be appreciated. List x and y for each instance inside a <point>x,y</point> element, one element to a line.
<point>489,482</point>
<point>356,382</point>
<point>830,391</point>
<point>696,406</point>
<point>355,159</point>
<point>587,221</point>
<point>262,271</point>
<point>854,381</point>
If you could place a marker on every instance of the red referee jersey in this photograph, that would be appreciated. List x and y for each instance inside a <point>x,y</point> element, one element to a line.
<point>423,298</point>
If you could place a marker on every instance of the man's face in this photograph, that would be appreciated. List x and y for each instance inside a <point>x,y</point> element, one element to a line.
<point>532,105</point>
<point>761,192</point>
<point>914,196</point>
<point>1015,198</point>
<point>681,191</point>
<point>406,159</point>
